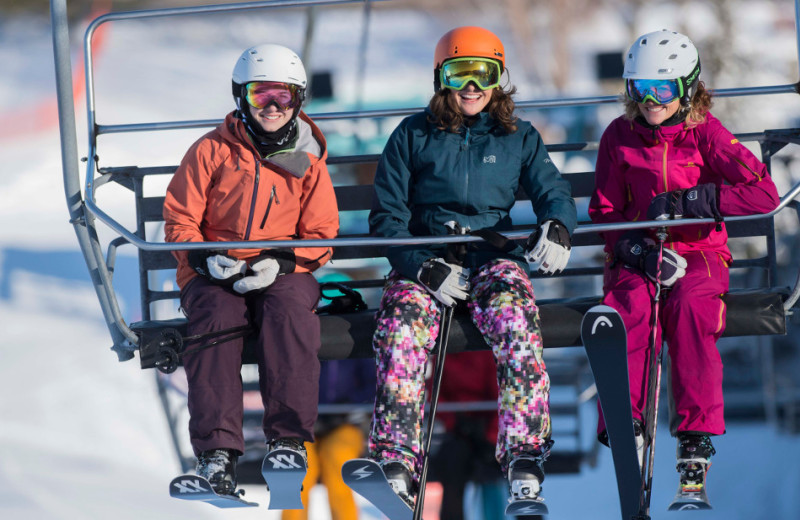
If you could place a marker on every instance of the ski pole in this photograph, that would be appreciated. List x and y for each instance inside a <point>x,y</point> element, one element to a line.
<point>654,385</point>
<point>444,332</point>
<point>455,255</point>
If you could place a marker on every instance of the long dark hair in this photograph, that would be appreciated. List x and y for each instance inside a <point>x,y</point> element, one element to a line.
<point>446,115</point>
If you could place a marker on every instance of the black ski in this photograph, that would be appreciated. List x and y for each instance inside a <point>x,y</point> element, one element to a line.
<point>365,477</point>
<point>691,493</point>
<point>527,506</point>
<point>605,339</point>
<point>284,471</point>
<point>192,487</point>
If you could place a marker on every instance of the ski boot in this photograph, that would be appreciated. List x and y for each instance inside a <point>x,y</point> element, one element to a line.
<point>400,478</point>
<point>525,477</point>
<point>638,435</point>
<point>289,443</point>
<point>284,468</point>
<point>694,459</point>
<point>219,468</point>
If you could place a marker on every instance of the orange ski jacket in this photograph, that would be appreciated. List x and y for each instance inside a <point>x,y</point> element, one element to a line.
<point>224,190</point>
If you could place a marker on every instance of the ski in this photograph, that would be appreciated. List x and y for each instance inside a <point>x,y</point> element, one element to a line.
<point>527,506</point>
<point>605,340</point>
<point>284,471</point>
<point>365,477</point>
<point>691,493</point>
<point>192,487</point>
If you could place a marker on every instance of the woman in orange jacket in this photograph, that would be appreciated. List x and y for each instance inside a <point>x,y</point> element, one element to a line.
<point>260,175</point>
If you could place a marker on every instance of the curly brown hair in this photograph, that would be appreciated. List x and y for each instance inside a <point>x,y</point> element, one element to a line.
<point>446,115</point>
<point>699,106</point>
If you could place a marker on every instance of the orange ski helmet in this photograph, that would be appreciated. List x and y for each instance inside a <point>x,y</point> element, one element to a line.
<point>473,42</point>
<point>468,41</point>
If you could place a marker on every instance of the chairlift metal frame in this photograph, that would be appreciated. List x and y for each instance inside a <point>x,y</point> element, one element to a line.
<point>84,212</point>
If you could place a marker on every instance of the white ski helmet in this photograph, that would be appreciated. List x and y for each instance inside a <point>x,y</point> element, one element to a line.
<point>664,54</point>
<point>268,62</point>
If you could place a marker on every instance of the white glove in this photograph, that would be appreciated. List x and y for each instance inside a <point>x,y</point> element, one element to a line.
<point>224,267</point>
<point>446,282</point>
<point>265,272</point>
<point>549,247</point>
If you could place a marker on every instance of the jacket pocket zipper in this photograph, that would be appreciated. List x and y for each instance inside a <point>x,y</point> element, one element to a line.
<point>272,196</point>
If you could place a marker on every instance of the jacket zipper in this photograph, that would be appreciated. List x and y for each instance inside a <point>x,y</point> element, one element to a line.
<point>465,146</point>
<point>664,166</point>
<point>664,163</point>
<point>272,197</point>
<point>743,165</point>
<point>253,201</point>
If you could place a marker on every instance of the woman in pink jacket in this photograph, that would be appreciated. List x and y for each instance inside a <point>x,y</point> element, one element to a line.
<point>667,157</point>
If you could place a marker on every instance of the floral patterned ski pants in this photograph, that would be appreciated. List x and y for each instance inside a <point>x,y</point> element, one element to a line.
<point>502,306</point>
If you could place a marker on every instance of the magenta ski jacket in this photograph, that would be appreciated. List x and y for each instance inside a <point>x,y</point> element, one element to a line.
<point>636,162</point>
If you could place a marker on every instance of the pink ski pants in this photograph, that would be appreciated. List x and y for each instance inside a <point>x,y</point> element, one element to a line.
<point>691,320</point>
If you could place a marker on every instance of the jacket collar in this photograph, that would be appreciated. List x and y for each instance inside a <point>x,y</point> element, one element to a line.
<point>657,133</point>
<point>309,149</point>
<point>484,123</point>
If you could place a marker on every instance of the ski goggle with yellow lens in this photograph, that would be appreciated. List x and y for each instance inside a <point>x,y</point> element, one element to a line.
<point>457,73</point>
<point>261,94</point>
<point>660,91</point>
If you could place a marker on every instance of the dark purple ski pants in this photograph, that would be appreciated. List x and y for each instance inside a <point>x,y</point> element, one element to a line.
<point>287,339</point>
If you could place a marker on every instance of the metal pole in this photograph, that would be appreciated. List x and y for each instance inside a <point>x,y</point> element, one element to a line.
<point>444,333</point>
<point>311,23</point>
<point>178,11</point>
<point>70,169</point>
<point>797,28</point>
<point>397,112</point>
<point>361,69</point>
<point>374,241</point>
<point>653,387</point>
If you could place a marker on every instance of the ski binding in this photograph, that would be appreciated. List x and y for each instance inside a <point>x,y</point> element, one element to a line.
<point>193,487</point>
<point>691,493</point>
<point>366,477</point>
<point>284,471</point>
<point>527,506</point>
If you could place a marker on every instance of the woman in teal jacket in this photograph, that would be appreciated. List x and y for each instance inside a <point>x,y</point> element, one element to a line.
<point>461,161</point>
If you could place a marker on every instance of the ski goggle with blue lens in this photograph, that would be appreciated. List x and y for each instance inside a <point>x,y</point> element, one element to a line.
<point>261,94</point>
<point>455,74</point>
<point>660,91</point>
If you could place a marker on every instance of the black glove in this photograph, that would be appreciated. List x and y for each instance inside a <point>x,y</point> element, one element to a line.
<point>632,248</point>
<point>639,251</point>
<point>698,202</point>
<point>457,251</point>
<point>217,266</point>
<point>287,261</point>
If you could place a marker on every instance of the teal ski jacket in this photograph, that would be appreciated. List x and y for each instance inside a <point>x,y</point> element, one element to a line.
<point>427,176</point>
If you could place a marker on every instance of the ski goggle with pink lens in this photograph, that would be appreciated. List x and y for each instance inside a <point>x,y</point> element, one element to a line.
<point>457,73</point>
<point>261,94</point>
<point>659,91</point>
